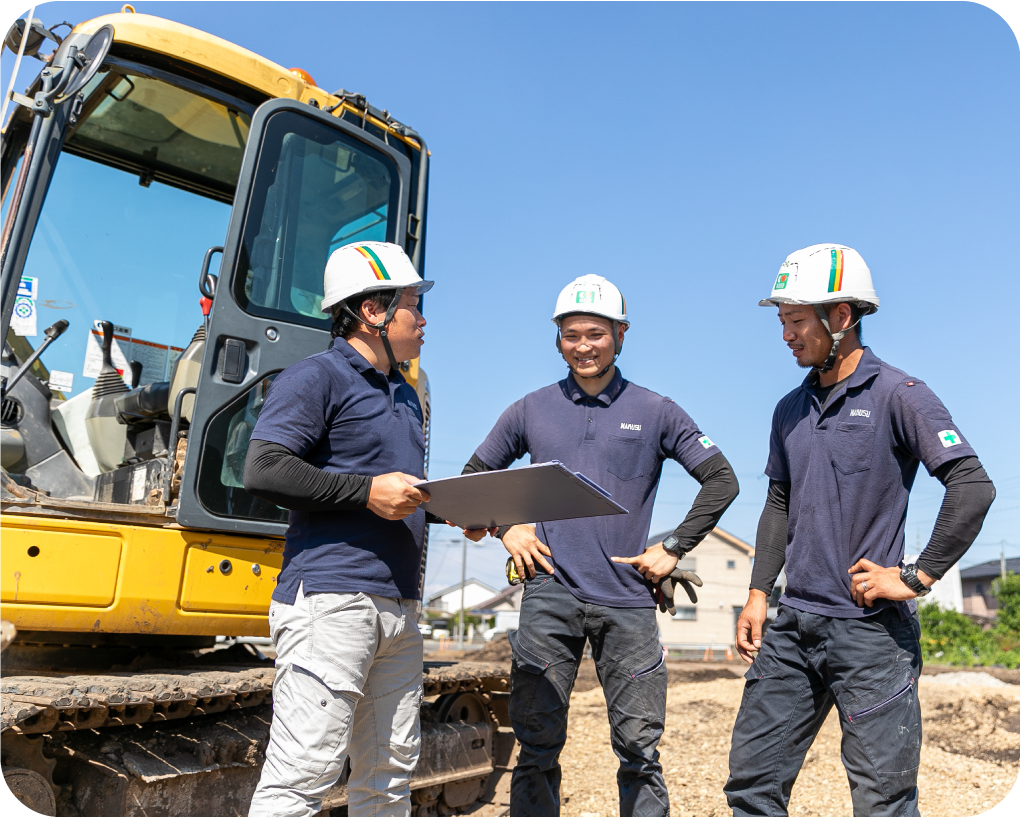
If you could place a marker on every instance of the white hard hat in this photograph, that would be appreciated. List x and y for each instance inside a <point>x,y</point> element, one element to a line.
<point>591,295</point>
<point>365,267</point>
<point>824,274</point>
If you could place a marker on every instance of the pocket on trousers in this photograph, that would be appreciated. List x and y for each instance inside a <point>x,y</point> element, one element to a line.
<point>889,728</point>
<point>310,724</point>
<point>526,656</point>
<point>341,639</point>
<point>626,458</point>
<point>646,660</point>
<point>851,447</point>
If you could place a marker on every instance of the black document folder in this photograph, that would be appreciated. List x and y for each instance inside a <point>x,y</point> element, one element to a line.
<point>534,493</point>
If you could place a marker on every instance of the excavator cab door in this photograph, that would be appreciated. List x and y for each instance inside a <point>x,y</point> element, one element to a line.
<point>309,183</point>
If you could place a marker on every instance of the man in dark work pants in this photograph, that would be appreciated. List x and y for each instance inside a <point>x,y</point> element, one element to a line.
<point>844,451</point>
<point>592,579</point>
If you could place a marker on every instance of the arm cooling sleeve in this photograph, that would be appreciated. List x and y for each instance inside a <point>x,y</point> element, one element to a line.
<point>969,495</point>
<point>718,490</point>
<point>770,542</point>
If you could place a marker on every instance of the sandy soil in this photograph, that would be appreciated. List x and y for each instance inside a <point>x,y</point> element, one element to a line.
<point>970,758</point>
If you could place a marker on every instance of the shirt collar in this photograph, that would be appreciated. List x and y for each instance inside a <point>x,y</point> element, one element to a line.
<point>605,397</point>
<point>867,367</point>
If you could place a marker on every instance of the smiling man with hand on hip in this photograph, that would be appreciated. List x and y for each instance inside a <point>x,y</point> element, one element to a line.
<point>592,580</point>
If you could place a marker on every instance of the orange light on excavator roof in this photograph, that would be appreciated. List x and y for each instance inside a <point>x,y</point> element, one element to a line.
<point>303,75</point>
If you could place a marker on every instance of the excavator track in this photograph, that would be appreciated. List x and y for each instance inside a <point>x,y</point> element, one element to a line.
<point>191,740</point>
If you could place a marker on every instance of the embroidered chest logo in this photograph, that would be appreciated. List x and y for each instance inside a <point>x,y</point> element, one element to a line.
<point>630,426</point>
<point>860,413</point>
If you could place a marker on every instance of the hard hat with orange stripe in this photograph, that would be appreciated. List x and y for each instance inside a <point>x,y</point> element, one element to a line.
<point>370,266</point>
<point>825,274</point>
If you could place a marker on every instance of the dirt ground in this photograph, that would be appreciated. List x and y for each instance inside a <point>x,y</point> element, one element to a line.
<point>969,761</point>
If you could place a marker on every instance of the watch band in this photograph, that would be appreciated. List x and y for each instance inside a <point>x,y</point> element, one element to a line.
<point>672,544</point>
<point>908,575</point>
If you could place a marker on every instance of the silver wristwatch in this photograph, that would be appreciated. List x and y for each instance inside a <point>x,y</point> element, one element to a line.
<point>908,576</point>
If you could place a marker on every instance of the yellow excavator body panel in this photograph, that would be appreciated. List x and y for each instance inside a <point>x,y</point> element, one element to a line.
<point>80,576</point>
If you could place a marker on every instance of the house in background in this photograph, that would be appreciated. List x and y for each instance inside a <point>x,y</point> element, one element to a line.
<point>449,599</point>
<point>977,586</point>
<point>724,564</point>
<point>503,611</point>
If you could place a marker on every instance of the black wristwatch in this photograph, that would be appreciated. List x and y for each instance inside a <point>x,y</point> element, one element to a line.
<point>672,544</point>
<point>908,575</point>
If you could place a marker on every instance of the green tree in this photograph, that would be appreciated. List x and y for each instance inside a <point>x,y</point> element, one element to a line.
<point>1007,593</point>
<point>948,637</point>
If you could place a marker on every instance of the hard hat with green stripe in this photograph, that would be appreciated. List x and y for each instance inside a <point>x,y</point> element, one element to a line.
<point>370,266</point>
<point>355,269</point>
<point>825,274</point>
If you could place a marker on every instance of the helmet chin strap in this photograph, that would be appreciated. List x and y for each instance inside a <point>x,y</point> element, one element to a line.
<point>830,361</point>
<point>618,345</point>
<point>381,326</point>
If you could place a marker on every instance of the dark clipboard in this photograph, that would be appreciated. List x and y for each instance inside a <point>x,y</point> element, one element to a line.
<point>534,493</point>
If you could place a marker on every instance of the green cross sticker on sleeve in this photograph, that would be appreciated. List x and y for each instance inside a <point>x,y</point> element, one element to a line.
<point>949,438</point>
<point>705,442</point>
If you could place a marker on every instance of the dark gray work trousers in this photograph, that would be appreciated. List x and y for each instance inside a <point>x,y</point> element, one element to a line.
<point>628,658</point>
<point>868,668</point>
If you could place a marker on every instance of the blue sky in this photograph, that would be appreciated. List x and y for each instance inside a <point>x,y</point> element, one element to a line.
<point>683,150</point>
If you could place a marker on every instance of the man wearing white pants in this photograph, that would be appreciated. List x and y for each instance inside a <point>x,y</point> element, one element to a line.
<point>348,684</point>
<point>339,443</point>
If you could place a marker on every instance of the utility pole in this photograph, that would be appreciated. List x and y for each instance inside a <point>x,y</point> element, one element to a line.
<point>463,579</point>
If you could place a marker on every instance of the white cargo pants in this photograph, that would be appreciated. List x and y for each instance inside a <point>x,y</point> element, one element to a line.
<point>348,683</point>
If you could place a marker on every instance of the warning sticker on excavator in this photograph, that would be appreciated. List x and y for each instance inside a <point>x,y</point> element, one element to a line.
<point>156,358</point>
<point>24,318</point>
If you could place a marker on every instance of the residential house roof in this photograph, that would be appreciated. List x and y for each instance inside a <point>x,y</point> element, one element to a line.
<point>989,570</point>
<point>440,593</point>
<point>727,537</point>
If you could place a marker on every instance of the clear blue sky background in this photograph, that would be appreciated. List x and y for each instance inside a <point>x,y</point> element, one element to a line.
<point>683,150</point>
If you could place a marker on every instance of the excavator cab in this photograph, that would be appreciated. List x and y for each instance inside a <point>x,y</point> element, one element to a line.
<point>115,204</point>
<point>169,202</point>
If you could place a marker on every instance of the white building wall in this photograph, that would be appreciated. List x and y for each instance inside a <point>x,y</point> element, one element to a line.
<point>725,589</point>
<point>474,593</point>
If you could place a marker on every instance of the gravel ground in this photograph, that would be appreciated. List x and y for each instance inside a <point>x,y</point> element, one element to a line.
<point>969,761</point>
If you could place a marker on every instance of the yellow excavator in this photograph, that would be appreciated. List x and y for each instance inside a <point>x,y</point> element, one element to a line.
<point>137,571</point>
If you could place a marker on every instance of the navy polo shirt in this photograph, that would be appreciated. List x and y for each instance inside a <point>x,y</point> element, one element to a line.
<point>619,439</point>
<point>850,470</point>
<point>338,413</point>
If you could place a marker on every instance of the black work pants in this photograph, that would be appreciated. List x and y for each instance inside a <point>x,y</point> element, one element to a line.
<point>629,660</point>
<point>868,668</point>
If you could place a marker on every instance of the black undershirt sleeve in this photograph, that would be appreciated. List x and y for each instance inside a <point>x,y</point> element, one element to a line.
<point>276,474</point>
<point>770,542</point>
<point>718,490</point>
<point>969,495</point>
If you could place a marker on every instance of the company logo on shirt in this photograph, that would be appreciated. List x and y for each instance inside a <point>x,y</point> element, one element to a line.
<point>860,413</point>
<point>949,438</point>
<point>630,426</point>
<point>705,442</point>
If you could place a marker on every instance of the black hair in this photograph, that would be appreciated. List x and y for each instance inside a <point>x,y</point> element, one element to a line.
<point>343,324</point>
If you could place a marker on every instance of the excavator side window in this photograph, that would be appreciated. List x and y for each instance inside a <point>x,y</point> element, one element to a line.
<point>220,478</point>
<point>315,190</point>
